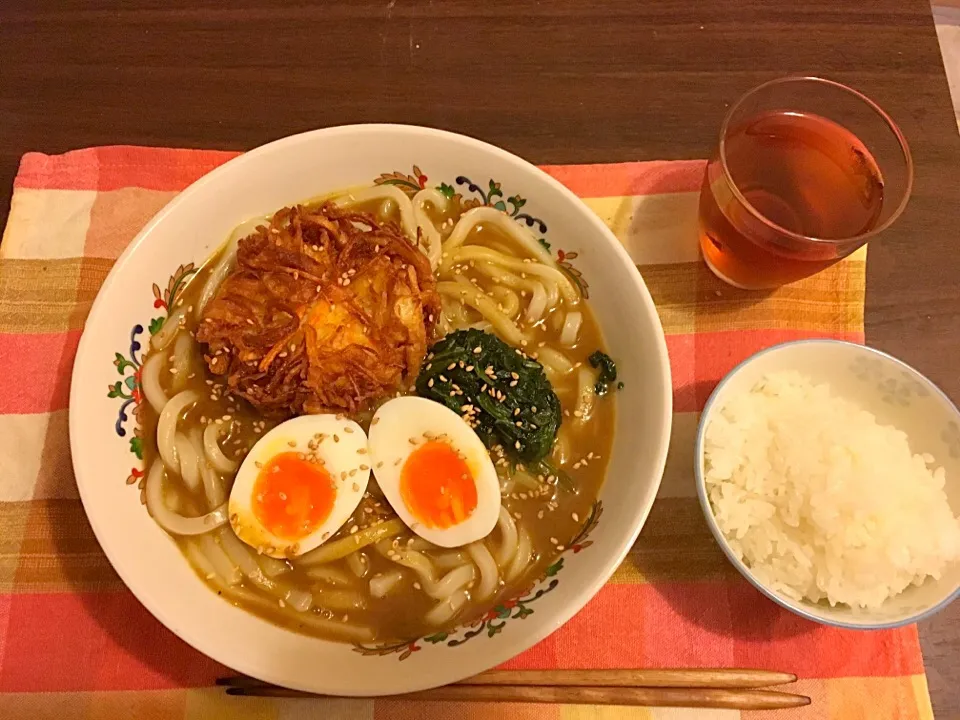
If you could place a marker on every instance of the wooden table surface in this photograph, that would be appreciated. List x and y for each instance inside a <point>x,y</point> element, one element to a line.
<point>559,81</point>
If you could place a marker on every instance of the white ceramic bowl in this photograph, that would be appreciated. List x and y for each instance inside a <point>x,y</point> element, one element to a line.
<point>192,227</point>
<point>897,395</point>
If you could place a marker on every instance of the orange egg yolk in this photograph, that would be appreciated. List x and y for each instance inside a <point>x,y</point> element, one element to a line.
<point>292,497</point>
<point>437,486</point>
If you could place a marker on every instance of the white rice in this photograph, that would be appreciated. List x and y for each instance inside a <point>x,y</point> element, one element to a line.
<point>822,502</point>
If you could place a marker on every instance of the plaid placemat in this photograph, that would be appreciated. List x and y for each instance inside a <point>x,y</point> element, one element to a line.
<point>74,643</point>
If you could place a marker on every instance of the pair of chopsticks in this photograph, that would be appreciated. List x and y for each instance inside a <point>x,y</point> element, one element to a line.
<point>727,688</point>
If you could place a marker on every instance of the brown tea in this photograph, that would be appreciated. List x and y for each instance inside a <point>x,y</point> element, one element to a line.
<point>798,173</point>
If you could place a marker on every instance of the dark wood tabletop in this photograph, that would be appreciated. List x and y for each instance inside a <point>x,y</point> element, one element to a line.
<point>557,81</point>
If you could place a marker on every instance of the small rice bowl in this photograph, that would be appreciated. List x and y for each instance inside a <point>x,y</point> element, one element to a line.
<point>821,501</point>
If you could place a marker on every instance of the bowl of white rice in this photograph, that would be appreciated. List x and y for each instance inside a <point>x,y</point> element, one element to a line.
<point>829,473</point>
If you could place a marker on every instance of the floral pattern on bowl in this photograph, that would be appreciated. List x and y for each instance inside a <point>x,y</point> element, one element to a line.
<point>190,229</point>
<point>951,436</point>
<point>491,197</point>
<point>894,386</point>
<point>494,621</point>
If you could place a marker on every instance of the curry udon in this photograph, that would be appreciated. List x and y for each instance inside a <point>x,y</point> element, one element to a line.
<point>210,400</point>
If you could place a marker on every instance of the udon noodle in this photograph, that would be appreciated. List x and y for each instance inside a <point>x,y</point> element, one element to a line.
<point>375,580</point>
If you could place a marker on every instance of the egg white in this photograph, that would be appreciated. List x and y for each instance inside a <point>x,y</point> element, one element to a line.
<point>400,423</point>
<point>342,447</point>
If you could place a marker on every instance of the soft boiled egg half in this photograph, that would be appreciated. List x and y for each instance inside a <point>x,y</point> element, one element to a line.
<point>299,483</point>
<point>434,471</point>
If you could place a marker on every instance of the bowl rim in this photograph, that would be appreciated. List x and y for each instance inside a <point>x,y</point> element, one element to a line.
<point>580,595</point>
<point>788,603</point>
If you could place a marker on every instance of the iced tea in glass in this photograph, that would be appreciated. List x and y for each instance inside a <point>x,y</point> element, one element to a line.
<point>807,171</point>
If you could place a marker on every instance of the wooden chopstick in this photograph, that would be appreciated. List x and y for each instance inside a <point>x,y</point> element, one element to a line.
<point>699,688</point>
<point>740,678</point>
<point>650,697</point>
<point>664,678</point>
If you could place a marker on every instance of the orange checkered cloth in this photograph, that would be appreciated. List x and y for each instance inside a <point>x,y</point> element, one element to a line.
<point>74,643</point>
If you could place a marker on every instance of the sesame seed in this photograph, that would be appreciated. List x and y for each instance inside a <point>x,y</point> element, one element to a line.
<point>576,518</point>
<point>348,429</point>
<point>477,350</point>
